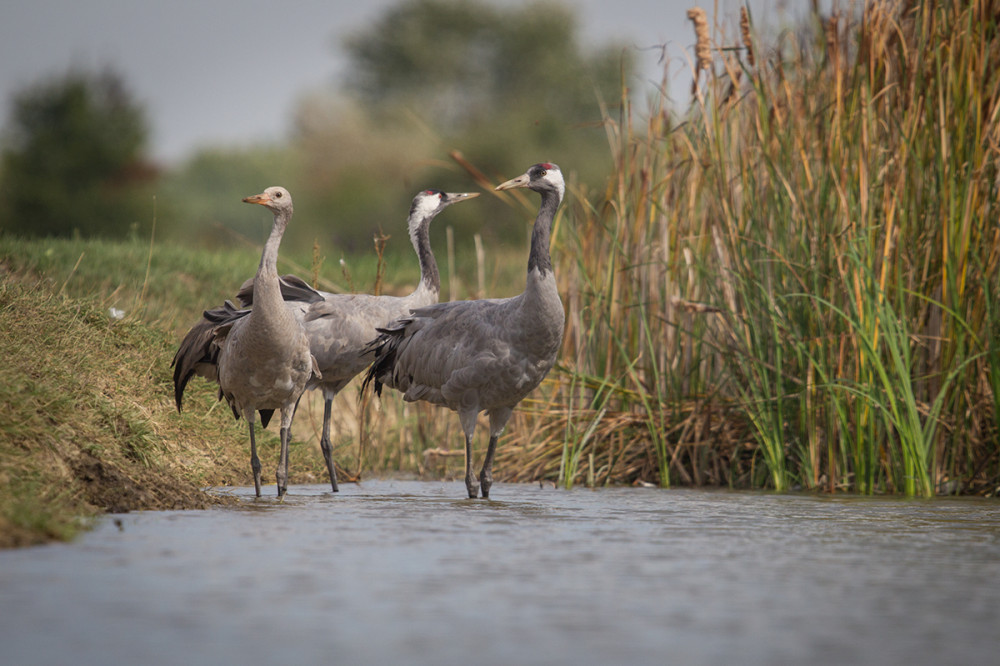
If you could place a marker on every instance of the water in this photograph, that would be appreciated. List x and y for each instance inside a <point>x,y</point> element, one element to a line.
<point>393,572</point>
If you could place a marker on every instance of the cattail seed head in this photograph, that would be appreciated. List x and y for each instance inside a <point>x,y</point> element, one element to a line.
<point>745,32</point>
<point>832,29</point>
<point>702,49</point>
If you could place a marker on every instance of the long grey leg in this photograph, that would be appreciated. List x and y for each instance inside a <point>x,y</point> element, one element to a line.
<point>282,473</point>
<point>254,460</point>
<point>498,421</point>
<point>326,445</point>
<point>486,474</point>
<point>468,420</point>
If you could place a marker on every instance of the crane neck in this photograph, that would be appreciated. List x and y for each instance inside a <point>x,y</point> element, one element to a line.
<point>539,258</point>
<point>267,291</point>
<point>430,278</point>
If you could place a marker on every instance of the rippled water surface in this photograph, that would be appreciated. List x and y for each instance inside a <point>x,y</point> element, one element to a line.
<point>405,572</point>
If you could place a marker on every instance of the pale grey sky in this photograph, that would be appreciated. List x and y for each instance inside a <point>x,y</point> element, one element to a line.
<point>225,72</point>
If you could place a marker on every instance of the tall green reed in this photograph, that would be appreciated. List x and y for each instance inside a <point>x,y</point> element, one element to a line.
<point>863,178</point>
<point>833,195</point>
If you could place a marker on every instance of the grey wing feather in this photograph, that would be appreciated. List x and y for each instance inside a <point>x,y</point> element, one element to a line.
<point>198,353</point>
<point>338,329</point>
<point>437,345</point>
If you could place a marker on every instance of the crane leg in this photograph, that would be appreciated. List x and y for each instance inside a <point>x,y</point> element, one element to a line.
<point>469,427</point>
<point>326,445</point>
<point>486,474</point>
<point>498,421</point>
<point>254,460</point>
<point>471,483</point>
<point>282,473</point>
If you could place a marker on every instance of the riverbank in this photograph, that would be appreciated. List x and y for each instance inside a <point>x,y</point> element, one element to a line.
<point>89,425</point>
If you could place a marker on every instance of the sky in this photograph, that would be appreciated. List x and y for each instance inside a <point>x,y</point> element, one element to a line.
<point>230,72</point>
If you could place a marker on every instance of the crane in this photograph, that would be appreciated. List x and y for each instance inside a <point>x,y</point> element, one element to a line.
<point>262,360</point>
<point>481,355</point>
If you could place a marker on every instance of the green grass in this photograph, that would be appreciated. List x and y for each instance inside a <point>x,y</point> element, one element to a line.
<point>169,286</point>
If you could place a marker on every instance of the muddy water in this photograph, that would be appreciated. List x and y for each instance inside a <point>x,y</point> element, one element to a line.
<point>401,572</point>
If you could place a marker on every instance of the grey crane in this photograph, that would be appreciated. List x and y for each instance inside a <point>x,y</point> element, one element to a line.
<point>261,358</point>
<point>481,355</point>
<point>339,326</point>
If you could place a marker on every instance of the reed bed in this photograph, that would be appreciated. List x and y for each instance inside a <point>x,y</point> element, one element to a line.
<point>795,283</point>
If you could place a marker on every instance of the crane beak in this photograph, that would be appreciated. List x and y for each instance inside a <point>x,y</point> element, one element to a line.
<point>520,181</point>
<point>452,197</point>
<point>258,199</point>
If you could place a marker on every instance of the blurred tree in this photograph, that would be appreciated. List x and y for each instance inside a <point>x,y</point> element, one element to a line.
<point>73,158</point>
<point>504,85</point>
<point>202,196</point>
<point>460,62</point>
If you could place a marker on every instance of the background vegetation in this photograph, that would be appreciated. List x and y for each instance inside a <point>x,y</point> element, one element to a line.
<point>73,158</point>
<point>833,194</point>
<point>790,284</point>
<point>355,155</point>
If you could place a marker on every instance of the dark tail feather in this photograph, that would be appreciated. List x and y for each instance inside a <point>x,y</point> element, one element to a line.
<point>265,416</point>
<point>372,376</point>
<point>385,347</point>
<point>226,314</point>
<point>375,369</point>
<point>195,348</point>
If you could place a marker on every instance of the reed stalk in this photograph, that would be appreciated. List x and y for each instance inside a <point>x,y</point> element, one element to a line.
<point>811,250</point>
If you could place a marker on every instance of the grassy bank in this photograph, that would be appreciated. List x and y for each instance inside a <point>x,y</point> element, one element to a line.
<point>86,424</point>
<point>89,423</point>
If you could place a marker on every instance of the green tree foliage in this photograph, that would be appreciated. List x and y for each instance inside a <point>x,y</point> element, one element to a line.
<point>504,85</point>
<point>202,197</point>
<point>73,158</point>
<point>460,62</point>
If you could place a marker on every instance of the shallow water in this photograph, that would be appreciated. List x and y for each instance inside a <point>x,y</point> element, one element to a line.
<point>408,572</point>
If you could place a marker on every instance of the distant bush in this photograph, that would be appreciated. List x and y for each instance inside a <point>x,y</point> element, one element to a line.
<point>73,158</point>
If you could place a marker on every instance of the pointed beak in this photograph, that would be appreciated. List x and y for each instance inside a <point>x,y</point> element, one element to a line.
<point>453,197</point>
<point>258,199</point>
<point>520,181</point>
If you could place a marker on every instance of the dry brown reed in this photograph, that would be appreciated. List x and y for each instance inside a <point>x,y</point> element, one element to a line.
<point>702,48</point>
<point>745,35</point>
<point>838,220</point>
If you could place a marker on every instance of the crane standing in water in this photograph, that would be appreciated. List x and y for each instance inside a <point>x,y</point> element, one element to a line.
<point>261,360</point>
<point>482,355</point>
